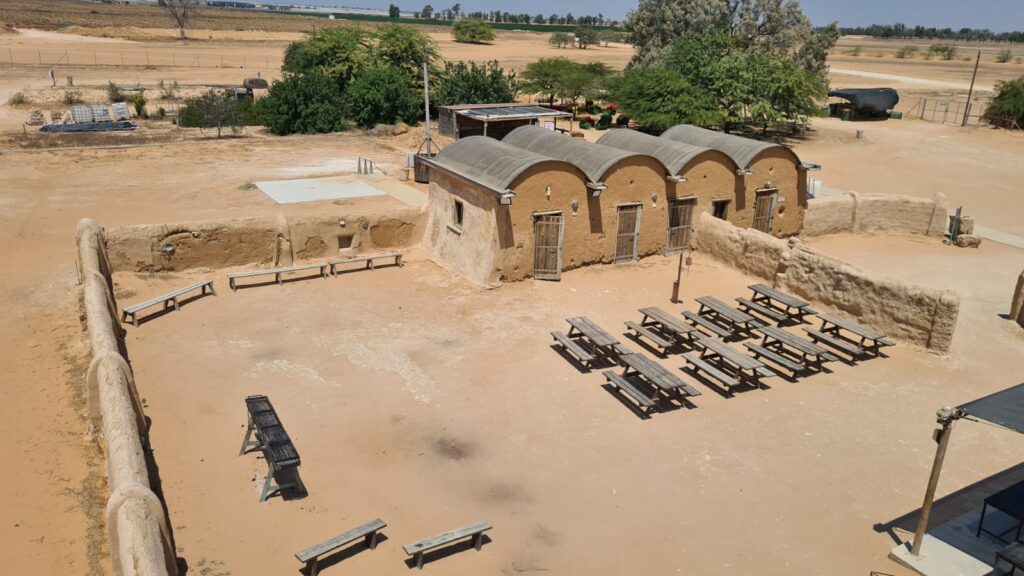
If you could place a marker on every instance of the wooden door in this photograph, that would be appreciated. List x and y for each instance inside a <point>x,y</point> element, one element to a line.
<point>627,233</point>
<point>548,230</point>
<point>764,210</point>
<point>680,225</point>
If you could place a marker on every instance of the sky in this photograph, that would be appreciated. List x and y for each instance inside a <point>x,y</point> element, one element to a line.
<point>997,15</point>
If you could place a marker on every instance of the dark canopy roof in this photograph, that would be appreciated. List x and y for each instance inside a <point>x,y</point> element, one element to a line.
<point>487,161</point>
<point>872,100</point>
<point>593,159</point>
<point>673,155</point>
<point>741,150</point>
<point>1004,408</point>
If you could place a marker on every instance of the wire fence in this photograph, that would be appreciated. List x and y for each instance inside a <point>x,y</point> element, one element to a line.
<point>950,111</point>
<point>70,57</point>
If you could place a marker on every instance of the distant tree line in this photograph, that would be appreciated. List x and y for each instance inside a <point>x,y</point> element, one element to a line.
<point>497,16</point>
<point>903,31</point>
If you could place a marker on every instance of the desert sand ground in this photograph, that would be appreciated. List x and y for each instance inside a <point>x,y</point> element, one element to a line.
<point>467,398</point>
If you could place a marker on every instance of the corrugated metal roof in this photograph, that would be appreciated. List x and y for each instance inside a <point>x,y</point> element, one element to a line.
<point>487,161</point>
<point>512,112</point>
<point>593,159</point>
<point>741,150</point>
<point>1004,408</point>
<point>674,155</point>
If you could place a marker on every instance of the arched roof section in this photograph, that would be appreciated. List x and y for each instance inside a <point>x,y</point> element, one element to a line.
<point>593,159</point>
<point>490,162</point>
<point>672,154</point>
<point>743,151</point>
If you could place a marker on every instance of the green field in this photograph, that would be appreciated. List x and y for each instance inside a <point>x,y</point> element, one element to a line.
<point>421,21</point>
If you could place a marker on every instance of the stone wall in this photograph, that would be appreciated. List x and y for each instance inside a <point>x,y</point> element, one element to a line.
<point>871,213</point>
<point>920,316</point>
<point>273,240</point>
<point>137,529</point>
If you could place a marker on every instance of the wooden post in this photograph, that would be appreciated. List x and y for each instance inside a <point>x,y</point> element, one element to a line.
<point>679,277</point>
<point>970,92</point>
<point>945,417</point>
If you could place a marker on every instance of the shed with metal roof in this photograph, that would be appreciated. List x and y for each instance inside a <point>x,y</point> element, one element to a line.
<point>495,120</point>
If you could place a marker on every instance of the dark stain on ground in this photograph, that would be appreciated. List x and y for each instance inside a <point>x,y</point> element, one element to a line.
<point>453,448</point>
<point>502,492</point>
<point>545,535</point>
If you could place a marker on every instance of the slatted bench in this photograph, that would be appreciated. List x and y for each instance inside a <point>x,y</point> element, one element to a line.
<point>171,298</point>
<point>271,439</point>
<point>779,359</point>
<point>572,347</point>
<point>276,272</point>
<point>864,337</point>
<point>369,259</point>
<point>708,325</point>
<point>751,306</point>
<point>651,335</point>
<point>711,370</point>
<point>647,404</point>
<point>311,556</point>
<point>474,531</point>
<point>852,350</point>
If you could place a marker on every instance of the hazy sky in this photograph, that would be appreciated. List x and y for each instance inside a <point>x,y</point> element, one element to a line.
<point>998,15</point>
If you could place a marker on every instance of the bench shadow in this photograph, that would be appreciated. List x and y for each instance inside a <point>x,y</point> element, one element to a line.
<point>633,407</point>
<point>649,347</point>
<point>164,311</point>
<point>595,365</point>
<point>339,271</point>
<point>284,281</point>
<point>707,382</point>
<point>343,554</point>
<point>447,551</point>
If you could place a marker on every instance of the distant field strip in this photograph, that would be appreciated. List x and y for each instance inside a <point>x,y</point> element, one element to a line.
<point>257,59</point>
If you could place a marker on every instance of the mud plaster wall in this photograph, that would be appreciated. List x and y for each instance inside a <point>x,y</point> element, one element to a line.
<point>871,213</point>
<point>920,316</point>
<point>468,251</point>
<point>781,167</point>
<point>137,530</point>
<point>275,240</point>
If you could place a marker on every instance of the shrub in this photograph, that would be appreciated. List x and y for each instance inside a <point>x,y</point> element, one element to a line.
<point>303,103</point>
<point>658,98</point>
<point>1004,56</point>
<point>856,51</point>
<point>622,120</point>
<point>169,91</point>
<point>561,39</point>
<point>585,36</point>
<point>114,93</point>
<point>906,52</point>
<point>138,100</point>
<point>1007,109</point>
<point>211,110</point>
<point>585,125</point>
<point>472,31</point>
<point>17,99</point>
<point>381,95</point>
<point>161,113</point>
<point>72,97</point>
<point>944,51</point>
<point>606,37</point>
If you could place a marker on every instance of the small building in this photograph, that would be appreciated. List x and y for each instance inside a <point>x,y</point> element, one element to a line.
<point>863,103</point>
<point>771,186</point>
<point>496,120</point>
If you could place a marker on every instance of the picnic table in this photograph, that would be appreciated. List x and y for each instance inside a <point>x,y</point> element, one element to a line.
<point>600,340</point>
<point>787,345</point>
<point>768,300</point>
<point>865,338</point>
<point>731,361</point>
<point>734,320</point>
<point>667,382</point>
<point>663,329</point>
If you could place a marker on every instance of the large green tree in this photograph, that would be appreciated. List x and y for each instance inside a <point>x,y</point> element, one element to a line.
<point>1007,109</point>
<point>472,31</point>
<point>472,83</point>
<point>659,98</point>
<point>303,103</point>
<point>381,95</point>
<point>565,79</point>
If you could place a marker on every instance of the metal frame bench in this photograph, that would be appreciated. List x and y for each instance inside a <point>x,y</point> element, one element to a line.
<point>474,531</point>
<point>751,306</point>
<point>869,339</point>
<point>277,272</point>
<point>271,439</point>
<point>585,358</point>
<point>369,259</point>
<point>647,404</point>
<point>702,322</point>
<point>311,556</point>
<point>167,299</point>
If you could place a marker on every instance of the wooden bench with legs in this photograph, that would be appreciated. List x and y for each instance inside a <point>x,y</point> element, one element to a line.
<point>794,367</point>
<point>751,306</point>
<point>369,259</point>
<point>311,556</point>
<point>777,301</point>
<point>793,348</point>
<point>651,335</point>
<point>646,403</point>
<point>169,299</point>
<point>851,350</point>
<point>271,439</point>
<point>702,322</point>
<point>572,346</point>
<point>730,362</point>
<point>700,365</point>
<point>863,337</point>
<point>277,273</point>
<point>474,531</point>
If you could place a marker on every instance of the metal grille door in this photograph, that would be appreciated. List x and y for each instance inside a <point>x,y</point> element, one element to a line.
<point>547,246</point>
<point>627,233</point>
<point>680,225</point>
<point>764,210</point>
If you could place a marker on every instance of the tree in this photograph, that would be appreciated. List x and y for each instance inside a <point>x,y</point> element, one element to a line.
<point>585,36</point>
<point>182,11</point>
<point>1007,109</point>
<point>561,39</point>
<point>336,52</point>
<point>394,11</point>
<point>564,79</point>
<point>472,83</point>
<point>215,109</point>
<point>427,12</point>
<point>472,31</point>
<point>381,95</point>
<point>303,103</point>
<point>606,37</point>
<point>405,48</point>
<point>658,98</point>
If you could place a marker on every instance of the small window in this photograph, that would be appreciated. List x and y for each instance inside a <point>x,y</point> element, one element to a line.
<point>344,242</point>
<point>720,209</point>
<point>458,213</point>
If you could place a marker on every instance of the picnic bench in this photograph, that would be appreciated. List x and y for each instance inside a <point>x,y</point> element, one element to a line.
<point>588,342</point>
<point>169,299</point>
<point>266,434</point>
<point>702,322</point>
<point>768,301</point>
<point>863,338</point>
<point>369,259</point>
<point>789,350</point>
<point>474,531</point>
<point>654,375</point>
<point>664,330</point>
<point>725,316</point>
<point>311,556</point>
<point>727,365</point>
<point>277,272</point>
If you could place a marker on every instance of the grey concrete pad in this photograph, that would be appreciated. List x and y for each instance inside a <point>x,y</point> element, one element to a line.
<point>952,549</point>
<point>312,189</point>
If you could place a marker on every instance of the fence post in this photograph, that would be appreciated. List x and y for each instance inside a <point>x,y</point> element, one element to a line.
<point>147,59</point>
<point>122,58</point>
<point>174,61</point>
<point>94,62</point>
<point>39,54</point>
<point>10,53</point>
<point>243,61</point>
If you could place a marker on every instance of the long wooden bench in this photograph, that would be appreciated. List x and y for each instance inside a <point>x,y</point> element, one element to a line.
<point>751,306</point>
<point>369,259</point>
<point>651,335</point>
<point>778,359</point>
<point>584,357</point>
<point>711,370</point>
<point>171,298</point>
<point>842,345</point>
<point>276,272</point>
<point>646,403</point>
<point>702,322</point>
<point>311,556</point>
<point>474,531</point>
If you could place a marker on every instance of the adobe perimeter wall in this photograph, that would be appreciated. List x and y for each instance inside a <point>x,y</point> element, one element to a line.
<point>137,528</point>
<point>871,213</point>
<point>922,316</point>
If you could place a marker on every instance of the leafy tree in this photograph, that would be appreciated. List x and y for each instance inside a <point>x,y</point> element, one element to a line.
<point>564,79</point>
<point>561,39</point>
<point>659,98</point>
<point>215,109</point>
<point>336,52</point>
<point>472,31</point>
<point>1007,109</point>
<point>404,47</point>
<point>606,37</point>
<point>304,103</point>
<point>472,83</point>
<point>394,11</point>
<point>427,12</point>
<point>585,36</point>
<point>381,95</point>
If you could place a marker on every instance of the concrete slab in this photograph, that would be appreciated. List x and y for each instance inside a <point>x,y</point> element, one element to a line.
<point>953,549</point>
<point>313,189</point>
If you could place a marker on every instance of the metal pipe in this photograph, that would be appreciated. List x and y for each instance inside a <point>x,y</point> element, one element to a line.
<point>945,417</point>
<point>970,92</point>
<point>426,104</point>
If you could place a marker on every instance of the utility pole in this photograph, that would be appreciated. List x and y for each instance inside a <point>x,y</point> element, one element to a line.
<point>426,105</point>
<point>945,417</point>
<point>967,109</point>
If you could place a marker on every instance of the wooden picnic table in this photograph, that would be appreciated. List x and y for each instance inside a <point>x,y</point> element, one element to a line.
<point>868,339</point>
<point>667,322</point>
<point>715,349</point>
<point>781,340</point>
<point>602,343</point>
<point>654,373</point>
<point>736,320</point>
<point>773,299</point>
